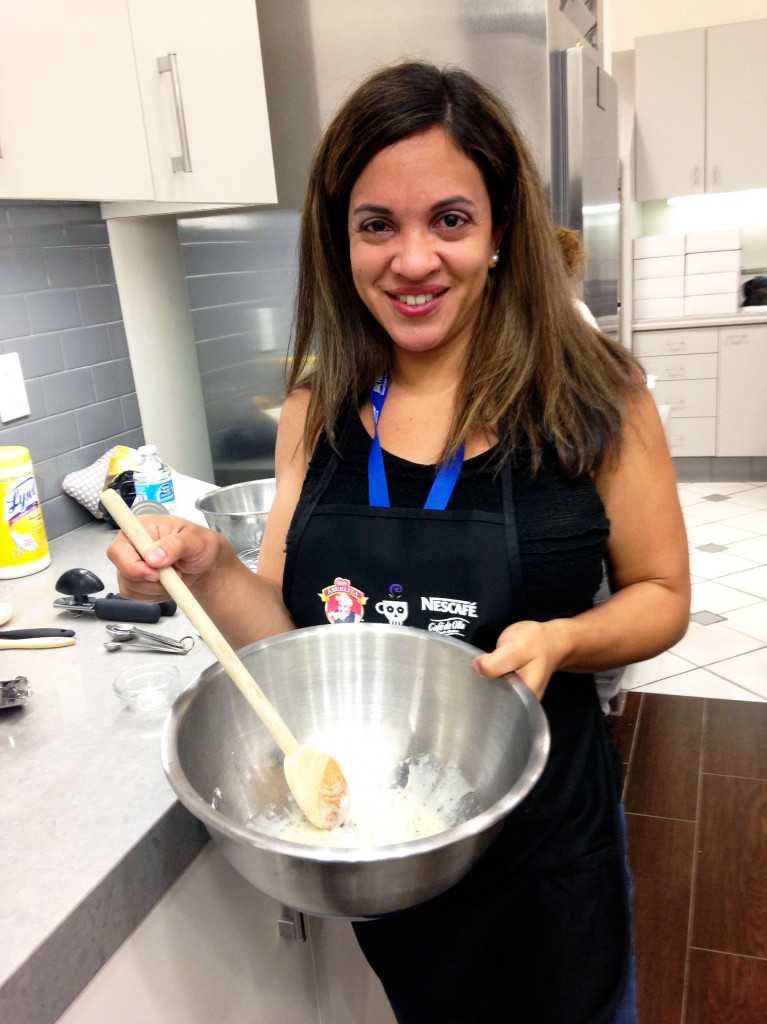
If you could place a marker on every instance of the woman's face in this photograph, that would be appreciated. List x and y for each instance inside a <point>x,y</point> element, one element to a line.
<point>421,238</point>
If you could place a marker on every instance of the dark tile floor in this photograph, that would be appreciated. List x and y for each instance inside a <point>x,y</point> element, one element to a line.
<point>696,796</point>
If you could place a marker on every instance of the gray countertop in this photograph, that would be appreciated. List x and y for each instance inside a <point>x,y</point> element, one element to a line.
<point>747,315</point>
<point>92,834</point>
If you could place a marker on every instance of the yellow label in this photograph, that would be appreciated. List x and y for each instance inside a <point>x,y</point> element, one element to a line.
<point>22,530</point>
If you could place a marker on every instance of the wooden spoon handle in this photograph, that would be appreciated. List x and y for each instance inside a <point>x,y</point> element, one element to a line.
<point>31,643</point>
<point>210,633</point>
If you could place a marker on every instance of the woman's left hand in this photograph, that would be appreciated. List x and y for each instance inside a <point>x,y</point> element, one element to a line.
<point>533,650</point>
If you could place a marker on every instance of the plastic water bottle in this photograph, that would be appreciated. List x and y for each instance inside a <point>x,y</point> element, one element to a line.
<point>153,479</point>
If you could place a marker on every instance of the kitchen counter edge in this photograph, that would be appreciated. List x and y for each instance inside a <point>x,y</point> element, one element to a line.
<point>756,315</point>
<point>107,905</point>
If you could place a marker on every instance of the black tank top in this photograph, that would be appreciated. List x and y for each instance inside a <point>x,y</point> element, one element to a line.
<point>561,525</point>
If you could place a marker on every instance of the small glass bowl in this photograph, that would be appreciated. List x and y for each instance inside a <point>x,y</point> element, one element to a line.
<point>249,557</point>
<point>149,687</point>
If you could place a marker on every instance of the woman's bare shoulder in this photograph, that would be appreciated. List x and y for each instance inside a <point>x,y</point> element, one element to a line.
<point>295,407</point>
<point>291,461</point>
<point>290,433</point>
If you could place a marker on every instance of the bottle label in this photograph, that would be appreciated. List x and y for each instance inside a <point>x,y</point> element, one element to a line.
<point>161,491</point>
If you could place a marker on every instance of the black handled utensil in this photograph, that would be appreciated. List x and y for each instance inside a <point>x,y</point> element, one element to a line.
<point>29,634</point>
<point>79,585</point>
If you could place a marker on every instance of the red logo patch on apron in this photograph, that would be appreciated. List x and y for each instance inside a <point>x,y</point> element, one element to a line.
<point>343,602</point>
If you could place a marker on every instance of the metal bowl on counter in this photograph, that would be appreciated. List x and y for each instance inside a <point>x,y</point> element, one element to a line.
<point>386,702</point>
<point>238,512</point>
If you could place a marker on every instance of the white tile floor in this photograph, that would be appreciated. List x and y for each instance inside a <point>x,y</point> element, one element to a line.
<point>724,653</point>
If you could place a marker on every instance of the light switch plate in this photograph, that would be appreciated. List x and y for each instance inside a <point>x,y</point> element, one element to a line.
<point>13,394</point>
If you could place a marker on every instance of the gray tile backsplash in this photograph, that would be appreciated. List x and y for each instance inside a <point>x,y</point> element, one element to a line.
<point>60,311</point>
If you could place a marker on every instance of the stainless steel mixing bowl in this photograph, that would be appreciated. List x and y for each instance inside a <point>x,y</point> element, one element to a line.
<point>238,512</point>
<point>378,698</point>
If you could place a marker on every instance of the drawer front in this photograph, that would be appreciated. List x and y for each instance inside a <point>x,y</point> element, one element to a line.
<point>681,367</point>
<point>662,343</point>
<point>692,436</point>
<point>687,397</point>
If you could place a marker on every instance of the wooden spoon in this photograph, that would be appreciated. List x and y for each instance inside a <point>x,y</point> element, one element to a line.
<point>33,643</point>
<point>314,778</point>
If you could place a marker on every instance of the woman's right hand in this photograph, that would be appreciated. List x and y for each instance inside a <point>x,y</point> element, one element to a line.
<point>192,550</point>
<point>245,606</point>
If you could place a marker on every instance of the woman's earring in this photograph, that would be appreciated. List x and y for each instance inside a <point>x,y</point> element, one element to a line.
<point>494,259</point>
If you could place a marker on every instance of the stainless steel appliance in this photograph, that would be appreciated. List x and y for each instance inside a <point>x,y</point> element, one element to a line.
<point>586,175</point>
<point>544,58</point>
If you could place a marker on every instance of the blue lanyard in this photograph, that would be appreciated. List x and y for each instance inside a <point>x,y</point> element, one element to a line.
<point>378,489</point>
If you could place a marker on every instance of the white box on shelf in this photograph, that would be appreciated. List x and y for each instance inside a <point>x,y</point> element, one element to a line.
<point>659,266</point>
<point>658,245</point>
<point>718,262</point>
<point>649,309</point>
<point>702,305</point>
<point>709,241</point>
<point>658,287</point>
<point>712,284</point>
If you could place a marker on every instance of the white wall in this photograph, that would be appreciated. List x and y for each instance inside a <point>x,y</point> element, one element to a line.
<point>628,19</point>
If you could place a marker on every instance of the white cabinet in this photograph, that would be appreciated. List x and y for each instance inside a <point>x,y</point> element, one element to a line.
<point>742,413</point>
<point>713,380</point>
<point>210,951</point>
<point>71,123</point>
<point>211,97</point>
<point>736,72</point>
<point>88,111</point>
<point>669,85</point>
<point>692,92</point>
<point>213,952</point>
<point>684,363</point>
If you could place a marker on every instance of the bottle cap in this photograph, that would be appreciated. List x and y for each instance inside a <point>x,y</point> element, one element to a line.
<point>147,449</point>
<point>149,508</point>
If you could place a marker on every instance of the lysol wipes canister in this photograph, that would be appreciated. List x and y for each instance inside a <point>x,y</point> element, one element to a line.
<point>23,543</point>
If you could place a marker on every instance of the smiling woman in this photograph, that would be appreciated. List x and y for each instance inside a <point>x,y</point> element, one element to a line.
<point>421,242</point>
<point>459,448</point>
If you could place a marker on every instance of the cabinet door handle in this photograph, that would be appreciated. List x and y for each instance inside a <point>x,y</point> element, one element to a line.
<point>674,346</point>
<point>696,176</point>
<point>675,371</point>
<point>170,63</point>
<point>735,339</point>
<point>714,175</point>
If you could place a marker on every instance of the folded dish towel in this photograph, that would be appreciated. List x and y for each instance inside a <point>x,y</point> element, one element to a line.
<point>86,485</point>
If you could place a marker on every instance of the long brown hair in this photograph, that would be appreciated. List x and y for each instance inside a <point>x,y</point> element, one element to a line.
<point>573,253</point>
<point>533,365</point>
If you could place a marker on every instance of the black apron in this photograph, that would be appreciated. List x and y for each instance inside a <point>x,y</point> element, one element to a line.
<point>538,931</point>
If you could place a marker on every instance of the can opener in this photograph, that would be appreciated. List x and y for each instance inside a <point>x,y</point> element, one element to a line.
<point>79,585</point>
